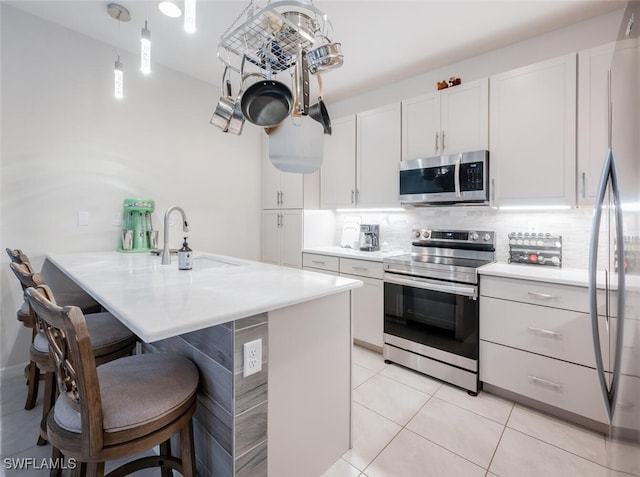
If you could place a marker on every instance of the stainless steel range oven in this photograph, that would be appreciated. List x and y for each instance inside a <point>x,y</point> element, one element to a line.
<point>431,304</point>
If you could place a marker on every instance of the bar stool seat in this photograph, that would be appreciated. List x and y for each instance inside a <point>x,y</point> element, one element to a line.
<point>119,409</point>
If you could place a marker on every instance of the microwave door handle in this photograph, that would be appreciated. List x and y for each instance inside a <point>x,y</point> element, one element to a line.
<point>432,285</point>
<point>457,176</point>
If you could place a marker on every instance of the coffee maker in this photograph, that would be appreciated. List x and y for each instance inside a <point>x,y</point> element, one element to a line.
<point>369,237</point>
<point>137,230</point>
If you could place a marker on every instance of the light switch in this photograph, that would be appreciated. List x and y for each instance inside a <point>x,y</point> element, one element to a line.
<point>83,218</point>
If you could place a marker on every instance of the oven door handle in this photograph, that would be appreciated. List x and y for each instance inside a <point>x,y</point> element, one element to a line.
<point>433,285</point>
<point>456,176</point>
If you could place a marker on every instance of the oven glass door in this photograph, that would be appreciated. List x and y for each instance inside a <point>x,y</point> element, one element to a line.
<point>441,315</point>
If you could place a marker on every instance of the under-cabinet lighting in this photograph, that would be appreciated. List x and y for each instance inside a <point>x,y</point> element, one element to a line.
<point>190,16</point>
<point>145,50</point>
<point>170,9</point>
<point>534,207</point>
<point>367,211</point>
<point>118,79</point>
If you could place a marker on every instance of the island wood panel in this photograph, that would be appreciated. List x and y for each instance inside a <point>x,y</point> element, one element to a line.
<point>230,423</point>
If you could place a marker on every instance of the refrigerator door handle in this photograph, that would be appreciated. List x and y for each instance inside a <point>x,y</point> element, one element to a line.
<point>609,174</point>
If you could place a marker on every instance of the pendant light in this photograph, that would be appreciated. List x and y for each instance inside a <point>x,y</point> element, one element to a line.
<point>190,16</point>
<point>118,79</point>
<point>145,50</point>
<point>121,14</point>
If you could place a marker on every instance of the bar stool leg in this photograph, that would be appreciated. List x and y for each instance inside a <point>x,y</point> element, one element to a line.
<point>165,449</point>
<point>187,451</point>
<point>47,403</point>
<point>33,381</point>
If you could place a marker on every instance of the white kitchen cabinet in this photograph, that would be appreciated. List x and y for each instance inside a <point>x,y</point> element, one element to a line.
<point>533,134</point>
<point>321,263</point>
<point>597,89</point>
<point>282,237</point>
<point>448,121</point>
<point>378,154</point>
<point>368,301</point>
<point>536,342</point>
<point>360,165</point>
<point>338,171</point>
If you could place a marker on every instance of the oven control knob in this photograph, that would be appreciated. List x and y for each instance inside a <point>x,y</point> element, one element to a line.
<point>417,234</point>
<point>486,237</point>
<point>474,236</point>
<point>426,234</point>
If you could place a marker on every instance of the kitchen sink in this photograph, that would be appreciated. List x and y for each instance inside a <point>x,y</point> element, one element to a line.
<point>204,263</point>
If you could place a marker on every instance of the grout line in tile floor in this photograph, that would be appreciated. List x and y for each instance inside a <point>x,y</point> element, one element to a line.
<point>504,428</point>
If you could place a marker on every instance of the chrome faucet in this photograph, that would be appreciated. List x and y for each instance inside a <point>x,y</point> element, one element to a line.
<point>166,258</point>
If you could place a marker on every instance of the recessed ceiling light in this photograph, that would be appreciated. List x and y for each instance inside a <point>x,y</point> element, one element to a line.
<point>170,9</point>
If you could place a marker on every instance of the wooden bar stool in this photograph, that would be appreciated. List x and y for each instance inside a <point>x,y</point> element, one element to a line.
<point>88,305</point>
<point>109,337</point>
<point>119,409</point>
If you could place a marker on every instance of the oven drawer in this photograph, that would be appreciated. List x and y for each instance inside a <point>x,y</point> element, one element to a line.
<point>563,385</point>
<point>537,293</point>
<point>363,268</point>
<point>323,262</point>
<point>553,332</point>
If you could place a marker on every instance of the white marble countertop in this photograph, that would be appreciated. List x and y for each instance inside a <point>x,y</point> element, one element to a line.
<point>337,251</point>
<point>563,276</point>
<point>159,301</point>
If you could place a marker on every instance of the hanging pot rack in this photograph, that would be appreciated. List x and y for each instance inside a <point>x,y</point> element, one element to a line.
<point>274,35</point>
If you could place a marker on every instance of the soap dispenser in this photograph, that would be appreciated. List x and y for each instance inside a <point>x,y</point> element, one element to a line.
<point>185,257</point>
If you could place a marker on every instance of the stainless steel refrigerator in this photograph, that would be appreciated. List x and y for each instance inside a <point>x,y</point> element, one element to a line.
<point>614,261</point>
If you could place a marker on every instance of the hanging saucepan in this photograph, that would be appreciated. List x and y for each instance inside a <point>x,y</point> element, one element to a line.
<point>326,57</point>
<point>236,121</point>
<point>266,102</point>
<point>319,111</point>
<point>224,109</point>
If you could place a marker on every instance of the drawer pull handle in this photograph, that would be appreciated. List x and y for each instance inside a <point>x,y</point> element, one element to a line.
<point>543,332</point>
<point>318,262</point>
<point>546,382</point>
<point>362,269</point>
<point>545,296</point>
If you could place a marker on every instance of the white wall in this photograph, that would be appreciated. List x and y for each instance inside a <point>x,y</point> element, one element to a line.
<point>69,145</point>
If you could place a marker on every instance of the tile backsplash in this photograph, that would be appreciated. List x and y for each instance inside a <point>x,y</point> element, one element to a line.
<point>574,225</point>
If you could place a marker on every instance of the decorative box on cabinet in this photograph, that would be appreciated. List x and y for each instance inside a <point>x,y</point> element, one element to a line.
<point>448,121</point>
<point>533,134</point>
<point>536,342</point>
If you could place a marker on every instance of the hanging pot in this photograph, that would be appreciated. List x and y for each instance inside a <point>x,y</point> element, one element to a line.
<point>319,111</point>
<point>267,102</point>
<point>224,109</point>
<point>326,57</point>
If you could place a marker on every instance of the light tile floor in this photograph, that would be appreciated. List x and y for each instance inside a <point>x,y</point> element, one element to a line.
<point>404,425</point>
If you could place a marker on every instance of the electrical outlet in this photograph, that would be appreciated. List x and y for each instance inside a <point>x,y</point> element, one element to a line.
<point>116,219</point>
<point>83,218</point>
<point>252,357</point>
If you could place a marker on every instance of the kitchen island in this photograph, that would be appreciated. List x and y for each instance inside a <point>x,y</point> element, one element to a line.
<point>290,418</point>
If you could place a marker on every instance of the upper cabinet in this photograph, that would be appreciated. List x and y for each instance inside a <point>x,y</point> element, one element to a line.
<point>378,155</point>
<point>338,171</point>
<point>360,165</point>
<point>603,104</point>
<point>533,134</point>
<point>448,121</point>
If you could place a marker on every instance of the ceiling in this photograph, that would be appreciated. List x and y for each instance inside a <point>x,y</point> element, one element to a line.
<point>382,41</point>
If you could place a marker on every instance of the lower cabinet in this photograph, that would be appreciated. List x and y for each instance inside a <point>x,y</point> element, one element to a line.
<point>368,300</point>
<point>282,237</point>
<point>536,342</point>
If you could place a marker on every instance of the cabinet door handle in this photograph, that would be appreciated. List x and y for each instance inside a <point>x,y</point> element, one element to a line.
<point>437,139</point>
<point>544,296</point>
<point>357,196</point>
<point>546,382</point>
<point>493,191</point>
<point>353,196</point>
<point>280,220</point>
<point>281,198</point>
<point>442,141</point>
<point>543,332</point>
<point>584,185</point>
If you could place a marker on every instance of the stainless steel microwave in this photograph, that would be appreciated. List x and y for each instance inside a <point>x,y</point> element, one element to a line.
<point>453,179</point>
